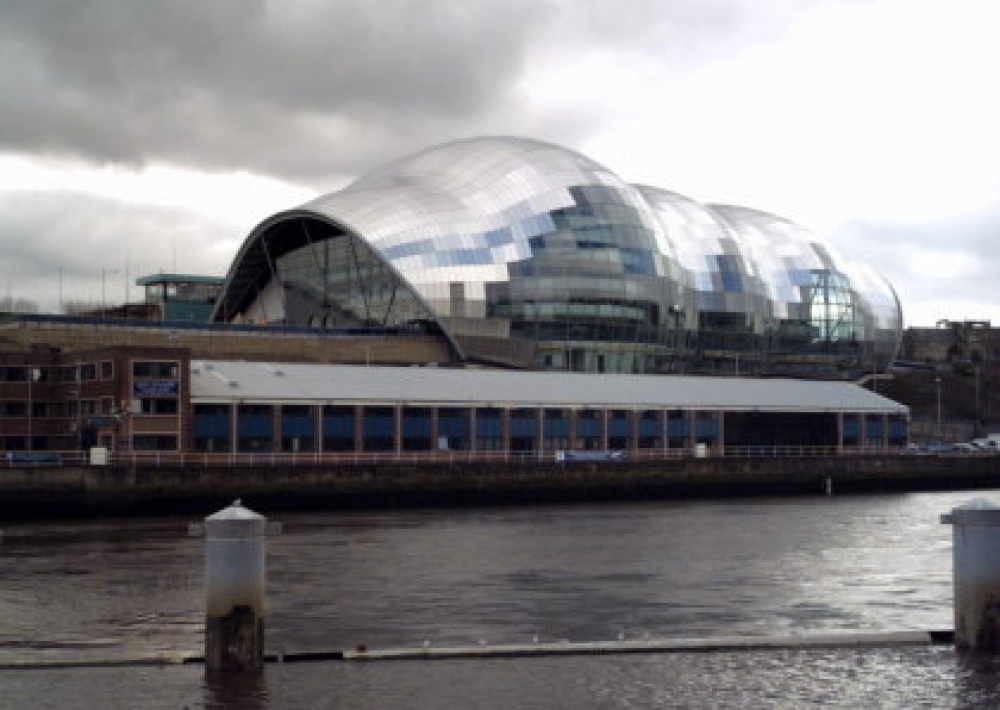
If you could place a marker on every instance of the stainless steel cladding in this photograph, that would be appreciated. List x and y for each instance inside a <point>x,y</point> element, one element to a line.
<point>516,239</point>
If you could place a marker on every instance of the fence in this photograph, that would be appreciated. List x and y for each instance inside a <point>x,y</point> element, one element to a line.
<point>358,458</point>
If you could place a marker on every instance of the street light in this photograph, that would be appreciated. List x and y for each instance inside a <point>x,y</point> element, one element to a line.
<point>104,277</point>
<point>678,313</point>
<point>975,425</point>
<point>937,385</point>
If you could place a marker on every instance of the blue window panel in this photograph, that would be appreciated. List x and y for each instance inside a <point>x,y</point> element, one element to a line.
<point>378,428</point>
<point>897,428</point>
<point>498,237</point>
<point>453,425</point>
<point>619,427</point>
<point>464,257</point>
<point>557,427</point>
<point>852,428</point>
<point>873,428</point>
<point>423,246</point>
<point>417,426</point>
<point>539,224</point>
<point>255,426</point>
<point>677,428</point>
<point>379,425</point>
<point>649,427</point>
<point>588,427</point>
<point>707,429</point>
<point>338,426</point>
<point>732,282</point>
<point>211,425</point>
<point>489,427</point>
<point>297,426</point>
<point>523,426</point>
<point>638,261</point>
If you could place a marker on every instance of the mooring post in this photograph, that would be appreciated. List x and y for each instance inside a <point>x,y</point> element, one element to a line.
<point>976,563</point>
<point>235,582</point>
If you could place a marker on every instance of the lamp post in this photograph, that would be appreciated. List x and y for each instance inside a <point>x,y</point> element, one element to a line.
<point>104,278</point>
<point>975,424</point>
<point>678,314</point>
<point>937,386</point>
<point>31,406</point>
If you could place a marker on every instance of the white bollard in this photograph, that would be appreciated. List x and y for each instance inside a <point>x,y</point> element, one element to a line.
<point>976,562</point>
<point>235,582</point>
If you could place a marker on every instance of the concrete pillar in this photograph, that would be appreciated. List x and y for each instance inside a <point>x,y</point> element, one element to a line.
<point>397,428</point>
<point>235,581</point>
<point>976,570</point>
<point>539,430</point>
<point>234,428</point>
<point>277,431</point>
<point>318,428</point>
<point>359,428</point>
<point>505,428</point>
<point>473,432</point>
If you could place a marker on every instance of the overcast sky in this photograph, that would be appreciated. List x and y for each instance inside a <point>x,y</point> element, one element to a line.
<point>138,137</point>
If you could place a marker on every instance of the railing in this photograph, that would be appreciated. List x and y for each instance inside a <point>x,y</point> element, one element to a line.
<point>359,458</point>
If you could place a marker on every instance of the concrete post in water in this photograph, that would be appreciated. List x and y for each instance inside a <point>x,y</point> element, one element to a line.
<point>976,562</point>
<point>235,581</point>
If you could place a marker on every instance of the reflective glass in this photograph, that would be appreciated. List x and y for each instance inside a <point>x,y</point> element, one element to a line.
<point>541,243</point>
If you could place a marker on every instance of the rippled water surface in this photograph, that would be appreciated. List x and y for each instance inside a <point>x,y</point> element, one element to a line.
<point>116,589</point>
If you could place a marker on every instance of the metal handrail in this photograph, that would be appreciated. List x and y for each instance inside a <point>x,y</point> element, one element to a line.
<point>358,458</point>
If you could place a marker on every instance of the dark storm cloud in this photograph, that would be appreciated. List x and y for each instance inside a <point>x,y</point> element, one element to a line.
<point>296,88</point>
<point>273,86</point>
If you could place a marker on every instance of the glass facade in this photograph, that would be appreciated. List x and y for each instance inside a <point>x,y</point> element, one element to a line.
<point>518,239</point>
<point>268,429</point>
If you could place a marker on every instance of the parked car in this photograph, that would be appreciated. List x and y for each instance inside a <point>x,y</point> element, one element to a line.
<point>929,447</point>
<point>34,457</point>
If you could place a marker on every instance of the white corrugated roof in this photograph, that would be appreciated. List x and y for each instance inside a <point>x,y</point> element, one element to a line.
<point>287,383</point>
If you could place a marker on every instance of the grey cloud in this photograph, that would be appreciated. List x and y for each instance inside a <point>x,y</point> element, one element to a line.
<point>85,246</point>
<point>248,83</point>
<point>303,89</point>
<point>885,245</point>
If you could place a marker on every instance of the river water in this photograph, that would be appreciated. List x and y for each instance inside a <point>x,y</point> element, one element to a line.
<point>580,573</point>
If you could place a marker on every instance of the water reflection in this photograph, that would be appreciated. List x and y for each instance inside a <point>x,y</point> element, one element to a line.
<point>235,691</point>
<point>510,575</point>
<point>977,681</point>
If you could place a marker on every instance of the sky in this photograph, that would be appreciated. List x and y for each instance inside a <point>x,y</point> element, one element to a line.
<point>146,137</point>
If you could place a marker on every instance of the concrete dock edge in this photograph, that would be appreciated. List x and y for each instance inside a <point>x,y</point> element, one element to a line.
<point>714,644</point>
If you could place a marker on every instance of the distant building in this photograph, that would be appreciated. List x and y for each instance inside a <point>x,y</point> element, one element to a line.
<point>488,294</point>
<point>970,341</point>
<point>158,401</point>
<point>181,297</point>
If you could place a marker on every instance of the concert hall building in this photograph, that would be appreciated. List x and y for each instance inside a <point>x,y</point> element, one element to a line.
<point>486,294</point>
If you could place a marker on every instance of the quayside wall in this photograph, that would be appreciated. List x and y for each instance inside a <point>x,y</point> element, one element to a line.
<point>81,491</point>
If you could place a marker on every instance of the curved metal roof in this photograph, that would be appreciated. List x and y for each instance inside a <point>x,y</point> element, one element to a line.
<point>486,227</point>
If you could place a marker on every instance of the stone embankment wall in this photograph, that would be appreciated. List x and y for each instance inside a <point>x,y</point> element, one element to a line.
<point>79,491</point>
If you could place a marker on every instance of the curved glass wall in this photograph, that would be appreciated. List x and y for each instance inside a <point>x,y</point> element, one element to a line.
<point>508,239</point>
